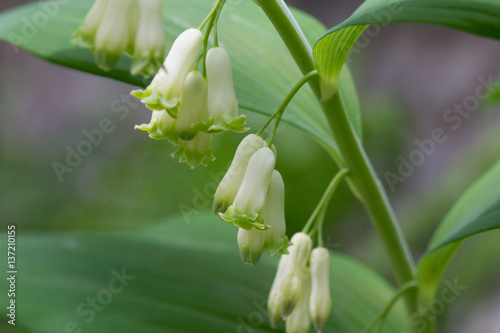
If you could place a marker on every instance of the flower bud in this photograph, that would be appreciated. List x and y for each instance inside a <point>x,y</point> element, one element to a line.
<point>161,126</point>
<point>250,243</point>
<point>196,151</point>
<point>228,187</point>
<point>222,103</point>
<point>274,216</point>
<point>299,320</point>
<point>293,282</point>
<point>248,203</point>
<point>165,89</point>
<point>150,43</point>
<point>275,299</point>
<point>192,109</point>
<point>301,249</point>
<point>320,302</point>
<point>113,36</point>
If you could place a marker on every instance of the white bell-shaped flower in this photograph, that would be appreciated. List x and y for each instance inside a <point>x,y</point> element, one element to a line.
<point>251,245</point>
<point>248,203</point>
<point>165,90</point>
<point>85,35</point>
<point>230,184</point>
<point>320,302</point>
<point>161,126</point>
<point>108,30</point>
<point>299,321</point>
<point>149,46</point>
<point>113,27</point>
<point>275,299</point>
<point>222,102</point>
<point>274,216</point>
<point>293,281</point>
<point>192,109</point>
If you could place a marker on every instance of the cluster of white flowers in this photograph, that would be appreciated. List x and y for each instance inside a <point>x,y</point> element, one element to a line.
<point>114,27</point>
<point>188,107</point>
<point>252,196</point>
<point>301,290</point>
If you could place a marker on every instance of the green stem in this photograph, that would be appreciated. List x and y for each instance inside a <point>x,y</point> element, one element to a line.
<point>382,316</point>
<point>321,221</point>
<point>320,208</point>
<point>211,19</point>
<point>362,174</point>
<point>279,113</point>
<point>216,30</point>
<point>209,16</point>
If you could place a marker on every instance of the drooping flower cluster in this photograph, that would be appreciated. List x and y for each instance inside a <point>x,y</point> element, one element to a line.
<point>252,196</point>
<point>300,292</point>
<point>188,107</point>
<point>114,27</point>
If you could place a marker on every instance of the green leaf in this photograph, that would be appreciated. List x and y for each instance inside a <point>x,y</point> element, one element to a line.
<point>431,269</point>
<point>264,71</point>
<point>186,278</point>
<point>474,16</point>
<point>478,210</point>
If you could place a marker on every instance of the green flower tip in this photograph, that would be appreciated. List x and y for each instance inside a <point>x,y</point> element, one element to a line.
<point>106,60</point>
<point>250,244</point>
<point>83,39</point>
<point>243,220</point>
<point>161,126</point>
<point>195,152</point>
<point>146,66</point>
<point>236,125</point>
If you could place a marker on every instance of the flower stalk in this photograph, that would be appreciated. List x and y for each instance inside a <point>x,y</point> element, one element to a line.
<point>363,176</point>
<point>281,109</point>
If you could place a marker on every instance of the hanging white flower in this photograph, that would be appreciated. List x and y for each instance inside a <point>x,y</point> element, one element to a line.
<point>161,126</point>
<point>192,109</point>
<point>108,29</point>
<point>222,103</point>
<point>165,90</point>
<point>230,184</point>
<point>293,281</point>
<point>85,35</point>
<point>248,203</point>
<point>320,302</point>
<point>299,321</point>
<point>274,216</point>
<point>275,299</point>
<point>150,43</point>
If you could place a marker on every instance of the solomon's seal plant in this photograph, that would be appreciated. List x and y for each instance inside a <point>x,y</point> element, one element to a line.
<point>192,86</point>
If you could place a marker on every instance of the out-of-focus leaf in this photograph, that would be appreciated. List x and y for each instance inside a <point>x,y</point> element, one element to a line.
<point>186,278</point>
<point>478,210</point>
<point>475,16</point>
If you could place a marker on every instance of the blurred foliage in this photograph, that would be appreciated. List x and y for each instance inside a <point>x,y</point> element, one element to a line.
<point>170,278</point>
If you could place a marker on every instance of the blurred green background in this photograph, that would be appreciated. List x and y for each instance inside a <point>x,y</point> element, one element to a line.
<point>408,76</point>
